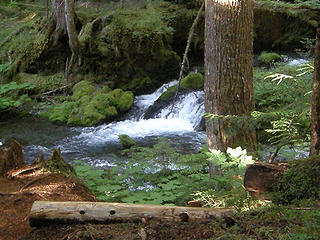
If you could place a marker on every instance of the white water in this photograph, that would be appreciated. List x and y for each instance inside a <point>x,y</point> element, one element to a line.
<point>185,116</point>
<point>297,62</point>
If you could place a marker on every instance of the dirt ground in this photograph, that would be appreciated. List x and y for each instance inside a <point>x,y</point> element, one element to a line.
<point>26,185</point>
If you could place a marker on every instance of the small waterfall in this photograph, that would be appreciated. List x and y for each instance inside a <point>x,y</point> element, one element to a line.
<point>185,117</point>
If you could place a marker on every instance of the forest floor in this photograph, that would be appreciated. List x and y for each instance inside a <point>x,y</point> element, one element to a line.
<point>24,186</point>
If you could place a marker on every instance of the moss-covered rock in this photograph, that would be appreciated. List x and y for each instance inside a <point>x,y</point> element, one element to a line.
<point>194,81</point>
<point>122,100</point>
<point>89,106</point>
<point>300,181</point>
<point>269,57</point>
<point>126,141</point>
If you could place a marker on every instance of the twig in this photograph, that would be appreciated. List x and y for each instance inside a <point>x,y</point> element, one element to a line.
<point>88,230</point>
<point>34,180</point>
<point>249,230</point>
<point>184,60</point>
<point>56,90</point>
<point>24,171</point>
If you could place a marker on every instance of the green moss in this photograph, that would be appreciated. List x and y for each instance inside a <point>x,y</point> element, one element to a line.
<point>42,83</point>
<point>168,94</point>
<point>270,57</point>
<point>57,164</point>
<point>89,106</point>
<point>126,141</point>
<point>194,81</point>
<point>300,181</point>
<point>139,83</point>
<point>122,100</point>
<point>105,89</point>
<point>81,89</point>
<point>62,112</point>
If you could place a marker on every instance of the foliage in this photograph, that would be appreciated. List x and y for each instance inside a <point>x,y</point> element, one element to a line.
<point>13,95</point>
<point>300,181</point>
<point>89,106</point>
<point>283,103</point>
<point>161,175</point>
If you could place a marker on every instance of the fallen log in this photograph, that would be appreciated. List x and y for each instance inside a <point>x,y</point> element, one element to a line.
<point>47,212</point>
<point>260,178</point>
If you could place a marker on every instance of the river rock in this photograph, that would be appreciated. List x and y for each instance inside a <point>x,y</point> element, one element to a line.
<point>11,158</point>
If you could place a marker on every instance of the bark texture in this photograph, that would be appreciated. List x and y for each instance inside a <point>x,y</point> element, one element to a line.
<point>11,158</point>
<point>315,100</point>
<point>70,17</point>
<point>228,72</point>
<point>58,12</point>
<point>44,212</point>
<point>260,178</point>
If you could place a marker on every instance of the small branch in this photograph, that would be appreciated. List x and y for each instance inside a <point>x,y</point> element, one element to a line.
<point>34,180</point>
<point>184,60</point>
<point>56,90</point>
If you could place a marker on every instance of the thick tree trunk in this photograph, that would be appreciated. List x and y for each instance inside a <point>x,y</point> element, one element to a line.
<point>44,212</point>
<point>315,100</point>
<point>228,72</point>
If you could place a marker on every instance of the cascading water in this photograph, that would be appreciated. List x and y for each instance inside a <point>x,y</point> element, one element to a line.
<point>96,145</point>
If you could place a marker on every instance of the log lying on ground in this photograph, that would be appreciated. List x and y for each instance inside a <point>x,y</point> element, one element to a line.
<point>260,177</point>
<point>46,212</point>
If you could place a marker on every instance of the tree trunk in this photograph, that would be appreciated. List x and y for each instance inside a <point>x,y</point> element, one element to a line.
<point>58,13</point>
<point>315,100</point>
<point>44,212</point>
<point>71,27</point>
<point>228,73</point>
<point>122,4</point>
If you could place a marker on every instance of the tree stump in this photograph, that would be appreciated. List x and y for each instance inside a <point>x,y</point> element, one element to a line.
<point>11,158</point>
<point>260,178</point>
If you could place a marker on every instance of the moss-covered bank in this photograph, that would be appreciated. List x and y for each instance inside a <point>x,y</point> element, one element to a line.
<point>89,106</point>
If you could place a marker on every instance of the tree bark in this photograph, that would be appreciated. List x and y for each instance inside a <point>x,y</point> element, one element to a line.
<point>228,72</point>
<point>260,178</point>
<point>71,27</point>
<point>11,158</point>
<point>58,13</point>
<point>315,100</point>
<point>45,212</point>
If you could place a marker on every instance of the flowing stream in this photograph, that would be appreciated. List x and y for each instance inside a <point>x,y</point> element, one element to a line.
<point>96,145</point>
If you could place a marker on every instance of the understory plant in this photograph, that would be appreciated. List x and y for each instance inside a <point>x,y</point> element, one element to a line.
<point>162,175</point>
<point>13,95</point>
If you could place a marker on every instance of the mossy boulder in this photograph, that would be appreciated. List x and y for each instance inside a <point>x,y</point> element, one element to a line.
<point>126,141</point>
<point>89,106</point>
<point>300,181</point>
<point>194,81</point>
<point>269,58</point>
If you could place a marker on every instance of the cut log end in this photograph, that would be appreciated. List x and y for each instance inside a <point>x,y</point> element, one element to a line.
<point>260,178</point>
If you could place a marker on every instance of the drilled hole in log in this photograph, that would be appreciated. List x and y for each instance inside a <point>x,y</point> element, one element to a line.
<point>82,212</point>
<point>112,212</point>
<point>184,217</point>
